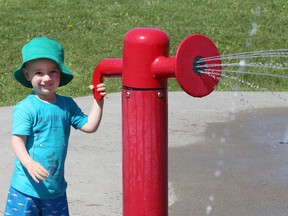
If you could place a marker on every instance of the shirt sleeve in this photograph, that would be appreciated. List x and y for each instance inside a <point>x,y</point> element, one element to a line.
<point>22,120</point>
<point>78,118</point>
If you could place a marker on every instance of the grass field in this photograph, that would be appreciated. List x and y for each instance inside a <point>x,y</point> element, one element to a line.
<point>91,30</point>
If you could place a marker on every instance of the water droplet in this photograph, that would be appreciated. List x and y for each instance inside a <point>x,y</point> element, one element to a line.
<point>257,11</point>
<point>211,198</point>
<point>217,173</point>
<point>208,210</point>
<point>242,62</point>
<point>248,44</point>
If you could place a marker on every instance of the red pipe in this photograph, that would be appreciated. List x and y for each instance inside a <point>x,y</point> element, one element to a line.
<point>106,68</point>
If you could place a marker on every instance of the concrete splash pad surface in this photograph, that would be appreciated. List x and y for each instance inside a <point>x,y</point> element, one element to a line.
<point>240,168</point>
<point>225,156</point>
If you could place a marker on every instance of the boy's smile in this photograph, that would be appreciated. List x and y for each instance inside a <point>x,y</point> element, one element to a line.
<point>44,75</point>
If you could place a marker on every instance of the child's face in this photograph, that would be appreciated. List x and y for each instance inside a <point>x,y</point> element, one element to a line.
<point>44,75</point>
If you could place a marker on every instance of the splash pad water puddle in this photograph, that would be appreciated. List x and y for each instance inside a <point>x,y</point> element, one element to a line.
<point>239,166</point>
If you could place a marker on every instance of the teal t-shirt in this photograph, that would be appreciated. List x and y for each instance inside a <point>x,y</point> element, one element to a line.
<point>47,127</point>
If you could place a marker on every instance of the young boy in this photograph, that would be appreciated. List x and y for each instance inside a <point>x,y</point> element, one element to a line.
<point>41,129</point>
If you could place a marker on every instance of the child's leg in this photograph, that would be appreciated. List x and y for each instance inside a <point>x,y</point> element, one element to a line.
<point>21,204</point>
<point>58,206</point>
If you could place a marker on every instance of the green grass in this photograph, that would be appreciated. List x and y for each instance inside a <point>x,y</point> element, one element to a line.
<point>91,30</point>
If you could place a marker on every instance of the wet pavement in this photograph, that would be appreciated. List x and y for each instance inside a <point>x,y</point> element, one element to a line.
<point>240,168</point>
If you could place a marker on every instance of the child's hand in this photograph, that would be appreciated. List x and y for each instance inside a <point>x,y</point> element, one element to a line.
<point>37,171</point>
<point>101,88</point>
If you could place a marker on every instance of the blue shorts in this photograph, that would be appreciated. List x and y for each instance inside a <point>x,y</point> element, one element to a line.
<point>22,204</point>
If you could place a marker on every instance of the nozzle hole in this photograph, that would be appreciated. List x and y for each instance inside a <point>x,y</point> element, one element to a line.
<point>199,65</point>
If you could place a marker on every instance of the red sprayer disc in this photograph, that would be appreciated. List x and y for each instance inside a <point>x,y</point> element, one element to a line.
<point>198,65</point>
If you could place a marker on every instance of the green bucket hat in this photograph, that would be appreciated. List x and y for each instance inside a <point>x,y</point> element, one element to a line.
<point>42,47</point>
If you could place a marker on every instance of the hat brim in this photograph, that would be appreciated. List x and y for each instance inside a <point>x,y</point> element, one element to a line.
<point>65,78</point>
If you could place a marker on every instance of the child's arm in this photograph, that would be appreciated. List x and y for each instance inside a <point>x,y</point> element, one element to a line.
<point>94,118</point>
<point>35,169</point>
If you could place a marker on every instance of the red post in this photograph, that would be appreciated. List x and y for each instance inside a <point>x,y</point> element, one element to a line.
<point>145,68</point>
<point>144,122</point>
<point>145,177</point>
